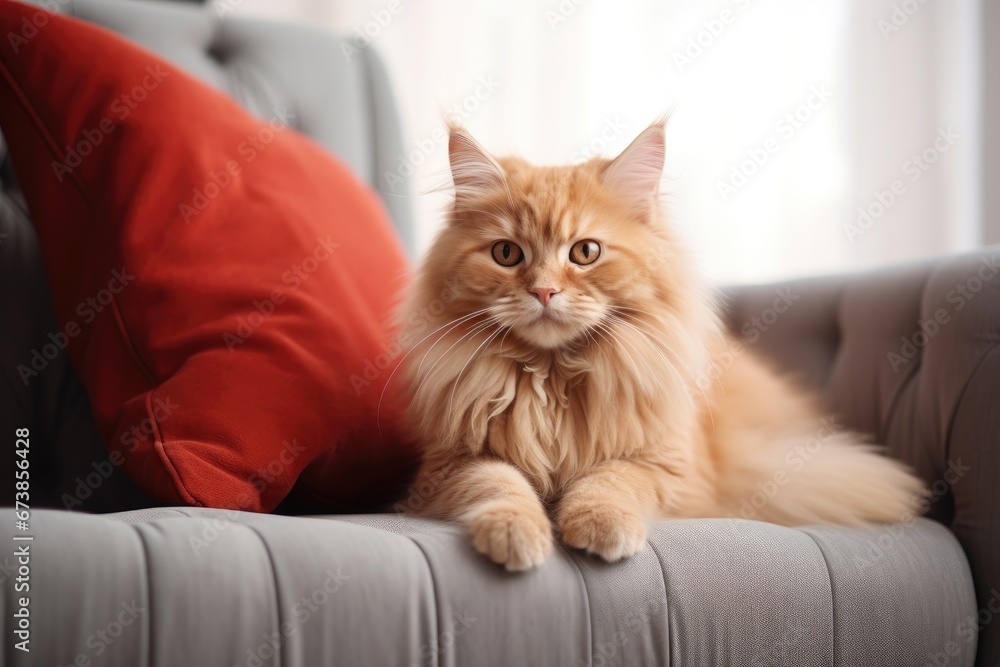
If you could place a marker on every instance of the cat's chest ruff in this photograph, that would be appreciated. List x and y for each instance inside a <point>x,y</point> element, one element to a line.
<point>547,389</point>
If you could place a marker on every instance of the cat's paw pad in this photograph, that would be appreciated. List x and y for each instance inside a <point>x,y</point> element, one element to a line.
<point>511,534</point>
<point>605,530</point>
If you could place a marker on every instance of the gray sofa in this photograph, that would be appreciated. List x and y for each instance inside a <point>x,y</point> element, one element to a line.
<point>187,586</point>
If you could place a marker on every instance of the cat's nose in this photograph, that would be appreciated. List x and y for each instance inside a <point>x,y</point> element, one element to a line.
<point>544,293</point>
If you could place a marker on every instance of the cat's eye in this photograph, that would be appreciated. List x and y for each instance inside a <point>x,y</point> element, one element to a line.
<point>506,253</point>
<point>585,252</point>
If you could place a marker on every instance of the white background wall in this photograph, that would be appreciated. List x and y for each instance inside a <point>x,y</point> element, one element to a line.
<point>579,76</point>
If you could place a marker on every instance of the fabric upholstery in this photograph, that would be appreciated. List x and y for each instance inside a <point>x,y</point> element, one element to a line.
<point>390,590</point>
<point>221,282</point>
<point>912,355</point>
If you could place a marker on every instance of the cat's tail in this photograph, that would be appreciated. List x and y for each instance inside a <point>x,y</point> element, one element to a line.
<point>824,475</point>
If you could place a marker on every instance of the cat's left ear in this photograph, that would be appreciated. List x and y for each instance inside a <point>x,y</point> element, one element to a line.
<point>473,170</point>
<point>635,174</point>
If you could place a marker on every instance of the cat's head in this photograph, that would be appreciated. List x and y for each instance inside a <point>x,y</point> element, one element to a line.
<point>555,253</point>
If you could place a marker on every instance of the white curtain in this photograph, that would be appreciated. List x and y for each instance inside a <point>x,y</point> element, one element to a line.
<point>790,116</point>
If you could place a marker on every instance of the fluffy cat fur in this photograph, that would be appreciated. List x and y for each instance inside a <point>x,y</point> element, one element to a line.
<point>610,406</point>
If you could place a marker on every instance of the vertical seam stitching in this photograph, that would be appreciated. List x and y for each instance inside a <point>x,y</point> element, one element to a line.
<point>572,558</point>
<point>671,658</point>
<point>276,617</point>
<point>148,661</point>
<point>833,594</point>
<point>436,655</point>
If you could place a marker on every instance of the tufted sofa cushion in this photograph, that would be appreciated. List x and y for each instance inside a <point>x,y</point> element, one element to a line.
<point>912,355</point>
<point>389,590</point>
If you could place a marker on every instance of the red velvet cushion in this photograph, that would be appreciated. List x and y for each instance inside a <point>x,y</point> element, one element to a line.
<point>222,282</point>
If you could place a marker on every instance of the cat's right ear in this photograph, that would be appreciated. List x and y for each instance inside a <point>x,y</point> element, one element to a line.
<point>473,170</point>
<point>635,174</point>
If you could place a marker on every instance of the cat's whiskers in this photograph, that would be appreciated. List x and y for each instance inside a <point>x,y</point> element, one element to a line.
<point>596,329</point>
<point>477,328</point>
<point>638,352</point>
<point>652,339</point>
<point>675,327</point>
<point>656,316</point>
<point>652,343</point>
<point>457,321</point>
<point>601,326</point>
<point>503,339</point>
<point>670,365</point>
<point>472,356</point>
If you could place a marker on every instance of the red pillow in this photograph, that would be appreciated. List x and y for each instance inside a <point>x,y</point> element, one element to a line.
<point>222,283</point>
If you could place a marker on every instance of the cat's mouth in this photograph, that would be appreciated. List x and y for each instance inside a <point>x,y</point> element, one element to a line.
<point>552,318</point>
<point>551,329</point>
<point>553,325</point>
<point>548,315</point>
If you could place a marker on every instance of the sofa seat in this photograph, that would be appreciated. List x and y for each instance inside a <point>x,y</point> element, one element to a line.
<point>190,586</point>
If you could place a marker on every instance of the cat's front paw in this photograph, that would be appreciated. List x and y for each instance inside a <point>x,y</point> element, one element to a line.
<point>511,534</point>
<point>604,529</point>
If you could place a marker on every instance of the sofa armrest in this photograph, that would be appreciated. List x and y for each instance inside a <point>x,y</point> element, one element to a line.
<point>910,355</point>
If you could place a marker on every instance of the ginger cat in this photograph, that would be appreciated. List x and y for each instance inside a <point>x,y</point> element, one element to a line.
<point>562,363</point>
